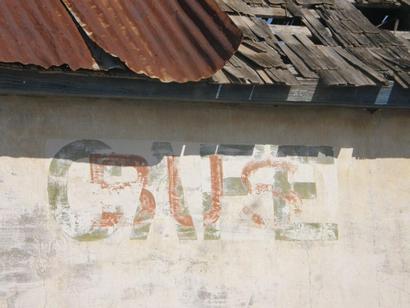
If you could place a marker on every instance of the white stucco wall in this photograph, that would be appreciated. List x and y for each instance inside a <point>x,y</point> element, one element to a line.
<point>257,226</point>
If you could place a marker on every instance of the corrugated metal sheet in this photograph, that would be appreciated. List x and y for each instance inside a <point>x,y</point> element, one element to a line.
<point>173,40</point>
<point>41,33</point>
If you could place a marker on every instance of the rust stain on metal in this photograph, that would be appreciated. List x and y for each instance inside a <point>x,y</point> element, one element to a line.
<point>41,33</point>
<point>172,40</point>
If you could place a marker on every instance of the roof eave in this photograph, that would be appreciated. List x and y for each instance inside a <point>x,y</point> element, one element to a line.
<point>68,84</point>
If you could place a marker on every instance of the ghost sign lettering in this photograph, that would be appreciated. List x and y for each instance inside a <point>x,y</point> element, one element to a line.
<point>209,192</point>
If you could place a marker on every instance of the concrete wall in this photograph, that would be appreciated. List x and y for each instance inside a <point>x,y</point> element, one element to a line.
<point>129,204</point>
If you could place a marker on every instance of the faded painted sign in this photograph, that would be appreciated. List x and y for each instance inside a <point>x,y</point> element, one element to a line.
<point>129,223</point>
<point>193,191</point>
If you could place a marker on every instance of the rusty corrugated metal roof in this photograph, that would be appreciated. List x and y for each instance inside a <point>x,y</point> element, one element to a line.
<point>41,33</point>
<point>186,40</point>
<point>173,40</point>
